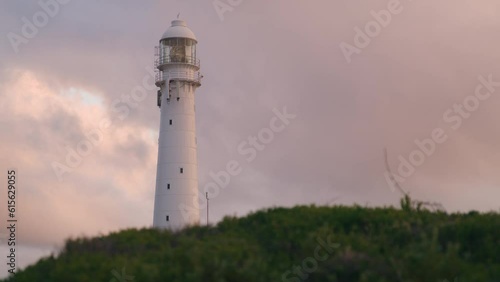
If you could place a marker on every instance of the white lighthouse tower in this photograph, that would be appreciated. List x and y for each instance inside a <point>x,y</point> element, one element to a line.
<point>177,174</point>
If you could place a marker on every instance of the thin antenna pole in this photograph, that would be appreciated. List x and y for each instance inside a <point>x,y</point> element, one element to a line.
<point>206,194</point>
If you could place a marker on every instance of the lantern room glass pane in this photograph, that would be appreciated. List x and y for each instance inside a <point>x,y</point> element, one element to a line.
<point>178,50</point>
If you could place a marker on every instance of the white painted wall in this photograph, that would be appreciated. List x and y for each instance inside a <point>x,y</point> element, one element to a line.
<point>177,149</point>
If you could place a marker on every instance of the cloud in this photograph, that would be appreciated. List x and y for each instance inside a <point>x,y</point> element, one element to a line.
<point>43,123</point>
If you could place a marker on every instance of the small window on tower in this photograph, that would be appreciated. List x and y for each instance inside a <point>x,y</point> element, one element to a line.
<point>182,170</point>
<point>168,218</point>
<point>170,122</point>
<point>168,186</point>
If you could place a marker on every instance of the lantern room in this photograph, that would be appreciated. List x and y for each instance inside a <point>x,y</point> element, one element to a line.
<point>178,45</point>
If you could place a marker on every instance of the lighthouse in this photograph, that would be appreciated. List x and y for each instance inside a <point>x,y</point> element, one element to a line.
<point>178,77</point>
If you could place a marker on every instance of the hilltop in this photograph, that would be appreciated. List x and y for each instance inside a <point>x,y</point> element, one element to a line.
<point>304,243</point>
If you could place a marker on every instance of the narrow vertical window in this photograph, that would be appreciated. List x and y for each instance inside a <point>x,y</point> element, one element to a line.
<point>170,122</point>
<point>168,186</point>
<point>182,170</point>
<point>168,218</point>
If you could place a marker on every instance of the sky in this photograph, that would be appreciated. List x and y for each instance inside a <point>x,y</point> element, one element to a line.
<point>418,78</point>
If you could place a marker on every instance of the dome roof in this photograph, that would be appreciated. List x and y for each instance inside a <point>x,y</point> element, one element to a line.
<point>178,29</point>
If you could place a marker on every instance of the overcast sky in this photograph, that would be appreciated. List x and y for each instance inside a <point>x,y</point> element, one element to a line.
<point>405,80</point>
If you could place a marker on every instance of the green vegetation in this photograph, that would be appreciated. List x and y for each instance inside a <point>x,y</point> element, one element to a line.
<point>279,244</point>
